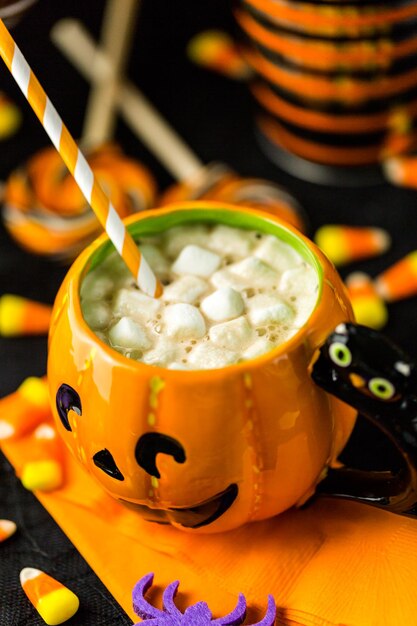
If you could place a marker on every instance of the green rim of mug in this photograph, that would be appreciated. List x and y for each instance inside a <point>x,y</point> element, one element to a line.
<point>157,224</point>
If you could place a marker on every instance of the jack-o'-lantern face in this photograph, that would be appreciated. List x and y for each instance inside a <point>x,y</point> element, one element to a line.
<point>204,450</point>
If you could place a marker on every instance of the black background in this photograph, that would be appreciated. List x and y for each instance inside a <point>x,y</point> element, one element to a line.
<point>215,116</point>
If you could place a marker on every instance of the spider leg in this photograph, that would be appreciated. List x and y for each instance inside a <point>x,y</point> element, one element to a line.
<point>236,617</point>
<point>140,605</point>
<point>168,599</point>
<point>269,619</point>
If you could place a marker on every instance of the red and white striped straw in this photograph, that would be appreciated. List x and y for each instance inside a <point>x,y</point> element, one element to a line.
<point>77,164</point>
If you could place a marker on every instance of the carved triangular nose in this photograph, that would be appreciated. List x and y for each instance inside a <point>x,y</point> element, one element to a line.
<point>151,444</point>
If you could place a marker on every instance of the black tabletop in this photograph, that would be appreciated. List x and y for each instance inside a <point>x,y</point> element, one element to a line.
<point>215,116</point>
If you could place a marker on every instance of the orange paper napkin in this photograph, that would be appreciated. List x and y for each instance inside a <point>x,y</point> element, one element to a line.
<point>334,563</point>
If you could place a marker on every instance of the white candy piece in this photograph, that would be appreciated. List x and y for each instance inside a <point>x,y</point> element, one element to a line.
<point>158,262</point>
<point>255,272</point>
<point>277,254</point>
<point>302,280</point>
<point>229,241</point>
<point>135,304</point>
<point>197,261</point>
<point>127,334</point>
<point>96,287</point>
<point>178,366</point>
<point>186,289</point>
<point>268,309</point>
<point>223,304</point>
<point>183,321</point>
<point>225,278</point>
<point>234,335</point>
<point>260,346</point>
<point>98,315</point>
<point>175,239</point>
<point>164,352</point>
<point>206,356</point>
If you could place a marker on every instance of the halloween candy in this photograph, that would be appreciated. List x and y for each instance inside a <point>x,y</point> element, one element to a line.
<point>368,306</point>
<point>216,50</point>
<point>43,467</point>
<point>47,214</point>
<point>7,529</point>
<point>345,244</point>
<point>21,316</point>
<point>400,280</point>
<point>54,602</point>
<point>25,408</point>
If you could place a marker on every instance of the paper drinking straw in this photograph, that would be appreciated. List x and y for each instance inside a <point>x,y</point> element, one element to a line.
<point>77,164</point>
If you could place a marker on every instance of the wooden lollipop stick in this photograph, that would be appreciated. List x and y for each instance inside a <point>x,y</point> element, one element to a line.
<point>74,41</point>
<point>116,38</point>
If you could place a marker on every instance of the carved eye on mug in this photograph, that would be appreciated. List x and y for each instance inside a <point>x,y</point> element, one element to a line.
<point>340,354</point>
<point>381,388</point>
<point>67,399</point>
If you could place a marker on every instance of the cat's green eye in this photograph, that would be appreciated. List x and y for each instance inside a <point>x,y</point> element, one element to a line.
<point>340,354</point>
<point>381,388</point>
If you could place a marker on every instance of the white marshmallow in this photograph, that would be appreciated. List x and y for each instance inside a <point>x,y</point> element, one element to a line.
<point>223,304</point>
<point>164,352</point>
<point>197,261</point>
<point>127,334</point>
<point>178,366</point>
<point>229,241</point>
<point>186,289</point>
<point>260,346</point>
<point>255,272</point>
<point>135,304</point>
<point>300,280</point>
<point>277,254</point>
<point>206,356</point>
<point>183,321</point>
<point>96,286</point>
<point>268,309</point>
<point>175,239</point>
<point>234,335</point>
<point>158,262</point>
<point>98,315</point>
<point>225,278</point>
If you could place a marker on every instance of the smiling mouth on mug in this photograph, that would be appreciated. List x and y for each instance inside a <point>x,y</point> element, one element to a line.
<point>195,516</point>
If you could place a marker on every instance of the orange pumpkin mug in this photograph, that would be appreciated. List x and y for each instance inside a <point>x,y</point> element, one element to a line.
<point>219,447</point>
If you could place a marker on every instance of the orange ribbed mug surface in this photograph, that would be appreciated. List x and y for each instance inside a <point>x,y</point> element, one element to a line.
<point>223,446</point>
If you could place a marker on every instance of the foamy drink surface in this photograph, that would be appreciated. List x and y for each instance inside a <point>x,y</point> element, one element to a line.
<point>229,295</point>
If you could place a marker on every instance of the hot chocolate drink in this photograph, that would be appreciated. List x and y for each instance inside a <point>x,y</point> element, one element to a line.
<point>229,295</point>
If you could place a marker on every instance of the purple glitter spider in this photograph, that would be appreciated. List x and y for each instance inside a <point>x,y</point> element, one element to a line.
<point>196,615</point>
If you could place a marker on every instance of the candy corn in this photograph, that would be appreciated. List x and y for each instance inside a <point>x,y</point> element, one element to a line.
<point>402,171</point>
<point>54,602</point>
<point>10,117</point>
<point>43,471</point>
<point>400,280</point>
<point>25,408</point>
<point>344,244</point>
<point>368,306</point>
<point>20,316</point>
<point>7,529</point>
<point>216,50</point>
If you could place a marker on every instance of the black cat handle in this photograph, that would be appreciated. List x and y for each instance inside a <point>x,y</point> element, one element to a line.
<point>370,373</point>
